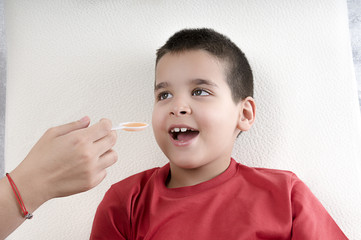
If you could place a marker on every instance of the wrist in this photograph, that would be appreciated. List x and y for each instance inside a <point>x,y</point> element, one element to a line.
<point>25,212</point>
<point>30,186</point>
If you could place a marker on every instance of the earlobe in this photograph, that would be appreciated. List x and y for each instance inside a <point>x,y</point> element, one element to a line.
<point>247,114</point>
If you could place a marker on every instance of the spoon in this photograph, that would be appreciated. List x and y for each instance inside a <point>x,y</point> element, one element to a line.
<point>131,126</point>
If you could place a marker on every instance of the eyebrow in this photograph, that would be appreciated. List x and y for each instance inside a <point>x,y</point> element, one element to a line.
<point>160,86</point>
<point>197,81</point>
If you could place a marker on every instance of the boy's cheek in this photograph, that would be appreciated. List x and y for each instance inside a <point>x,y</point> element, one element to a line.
<point>157,123</point>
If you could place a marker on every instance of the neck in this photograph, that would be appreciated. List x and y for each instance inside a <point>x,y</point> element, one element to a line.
<point>181,177</point>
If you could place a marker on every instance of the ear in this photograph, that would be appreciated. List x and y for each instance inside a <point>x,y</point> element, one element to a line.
<point>247,114</point>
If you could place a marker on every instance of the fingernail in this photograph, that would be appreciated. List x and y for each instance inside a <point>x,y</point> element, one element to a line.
<point>84,119</point>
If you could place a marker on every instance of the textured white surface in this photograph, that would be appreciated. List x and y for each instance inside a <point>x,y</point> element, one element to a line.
<point>72,58</point>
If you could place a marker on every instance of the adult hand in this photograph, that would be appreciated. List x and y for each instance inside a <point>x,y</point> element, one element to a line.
<point>67,159</point>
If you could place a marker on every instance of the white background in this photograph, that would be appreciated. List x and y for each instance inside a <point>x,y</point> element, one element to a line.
<point>67,59</point>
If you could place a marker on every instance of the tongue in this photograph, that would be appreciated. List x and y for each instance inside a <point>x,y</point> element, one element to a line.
<point>188,135</point>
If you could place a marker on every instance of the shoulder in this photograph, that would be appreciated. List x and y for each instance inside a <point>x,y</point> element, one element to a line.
<point>137,178</point>
<point>280,181</point>
<point>267,178</point>
<point>267,173</point>
<point>274,172</point>
<point>133,184</point>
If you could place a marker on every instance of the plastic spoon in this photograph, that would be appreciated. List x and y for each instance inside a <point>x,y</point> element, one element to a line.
<point>131,126</point>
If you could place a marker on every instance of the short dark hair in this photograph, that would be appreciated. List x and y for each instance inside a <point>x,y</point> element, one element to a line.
<point>239,73</point>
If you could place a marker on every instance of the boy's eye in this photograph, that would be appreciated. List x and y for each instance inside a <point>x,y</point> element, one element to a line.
<point>200,92</point>
<point>164,95</point>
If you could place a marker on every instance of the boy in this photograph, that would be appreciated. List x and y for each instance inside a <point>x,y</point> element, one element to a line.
<point>203,101</point>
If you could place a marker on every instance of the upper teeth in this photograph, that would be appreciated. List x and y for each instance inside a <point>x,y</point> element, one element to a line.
<point>181,129</point>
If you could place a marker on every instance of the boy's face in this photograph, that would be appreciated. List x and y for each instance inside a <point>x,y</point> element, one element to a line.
<point>192,95</point>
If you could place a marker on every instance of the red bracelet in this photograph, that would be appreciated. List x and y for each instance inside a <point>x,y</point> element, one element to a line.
<point>27,215</point>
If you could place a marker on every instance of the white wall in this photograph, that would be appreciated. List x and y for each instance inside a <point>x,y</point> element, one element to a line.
<point>2,87</point>
<point>354,20</point>
<point>67,59</point>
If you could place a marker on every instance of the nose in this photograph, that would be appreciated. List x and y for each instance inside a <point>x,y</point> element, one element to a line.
<point>180,110</point>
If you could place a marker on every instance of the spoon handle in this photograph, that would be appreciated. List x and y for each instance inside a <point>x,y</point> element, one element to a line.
<point>117,127</point>
<point>130,126</point>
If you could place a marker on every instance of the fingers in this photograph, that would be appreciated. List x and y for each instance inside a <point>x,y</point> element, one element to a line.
<point>104,144</point>
<point>69,127</point>
<point>107,159</point>
<point>99,130</point>
<point>100,178</point>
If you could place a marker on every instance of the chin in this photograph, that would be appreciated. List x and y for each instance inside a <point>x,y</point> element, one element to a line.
<point>185,163</point>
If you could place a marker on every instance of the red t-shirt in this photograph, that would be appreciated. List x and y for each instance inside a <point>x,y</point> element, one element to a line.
<point>240,203</point>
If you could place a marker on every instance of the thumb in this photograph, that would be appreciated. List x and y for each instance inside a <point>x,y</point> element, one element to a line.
<point>69,127</point>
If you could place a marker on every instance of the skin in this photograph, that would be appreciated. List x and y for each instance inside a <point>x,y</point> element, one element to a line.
<point>66,160</point>
<point>191,91</point>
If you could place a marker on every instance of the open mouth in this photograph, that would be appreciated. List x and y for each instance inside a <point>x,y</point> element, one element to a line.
<point>183,134</point>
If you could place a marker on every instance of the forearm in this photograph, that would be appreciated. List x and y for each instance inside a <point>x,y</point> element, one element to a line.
<point>11,215</point>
